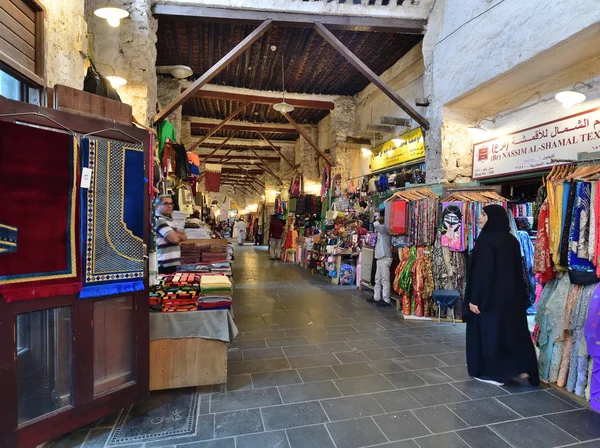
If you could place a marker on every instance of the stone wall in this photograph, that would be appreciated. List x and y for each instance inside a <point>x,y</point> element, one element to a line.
<point>167,90</point>
<point>65,30</point>
<point>307,157</point>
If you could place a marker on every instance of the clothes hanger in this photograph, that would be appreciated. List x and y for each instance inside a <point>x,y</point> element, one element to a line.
<point>113,129</point>
<point>39,114</point>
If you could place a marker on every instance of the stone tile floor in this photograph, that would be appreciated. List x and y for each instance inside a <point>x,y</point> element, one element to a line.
<point>317,366</point>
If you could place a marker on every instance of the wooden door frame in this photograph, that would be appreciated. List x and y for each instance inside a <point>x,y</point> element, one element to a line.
<point>85,408</point>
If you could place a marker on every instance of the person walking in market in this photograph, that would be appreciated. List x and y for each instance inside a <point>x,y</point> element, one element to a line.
<point>241,231</point>
<point>383,255</point>
<point>275,231</point>
<point>168,238</point>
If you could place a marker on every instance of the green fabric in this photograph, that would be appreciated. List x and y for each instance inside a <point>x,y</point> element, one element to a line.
<point>165,131</point>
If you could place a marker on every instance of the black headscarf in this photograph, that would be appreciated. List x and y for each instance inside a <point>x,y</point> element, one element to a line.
<point>497,219</point>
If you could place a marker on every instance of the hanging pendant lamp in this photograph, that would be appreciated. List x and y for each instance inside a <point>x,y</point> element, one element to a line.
<point>283,107</point>
<point>112,14</point>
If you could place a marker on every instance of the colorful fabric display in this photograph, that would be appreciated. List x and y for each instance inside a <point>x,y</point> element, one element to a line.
<point>398,217</point>
<point>194,267</point>
<point>182,279</point>
<point>453,223</point>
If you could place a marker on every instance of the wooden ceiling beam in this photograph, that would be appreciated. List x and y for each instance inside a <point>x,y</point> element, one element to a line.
<point>303,20</point>
<point>217,148</point>
<point>247,142</point>
<point>269,170</point>
<point>252,177</point>
<point>370,74</point>
<point>278,150</point>
<point>214,70</point>
<point>263,99</point>
<point>304,134</point>
<point>241,126</point>
<point>218,126</point>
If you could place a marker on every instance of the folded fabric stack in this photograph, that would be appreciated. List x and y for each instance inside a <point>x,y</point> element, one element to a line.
<point>182,279</point>
<point>215,292</point>
<point>223,268</point>
<point>212,257</point>
<point>182,298</point>
<point>191,253</point>
<point>199,268</point>
<point>155,298</point>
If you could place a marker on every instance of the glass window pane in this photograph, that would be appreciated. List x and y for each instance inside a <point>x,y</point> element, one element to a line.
<point>10,87</point>
<point>113,343</point>
<point>43,362</point>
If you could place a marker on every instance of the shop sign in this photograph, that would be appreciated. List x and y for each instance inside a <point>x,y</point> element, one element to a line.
<point>407,147</point>
<point>534,148</point>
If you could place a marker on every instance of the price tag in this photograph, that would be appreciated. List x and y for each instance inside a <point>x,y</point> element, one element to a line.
<point>86,178</point>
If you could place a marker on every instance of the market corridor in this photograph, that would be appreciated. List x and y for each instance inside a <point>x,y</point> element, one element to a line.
<point>315,366</point>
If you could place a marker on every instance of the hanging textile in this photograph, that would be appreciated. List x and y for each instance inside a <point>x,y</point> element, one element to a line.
<point>112,217</point>
<point>542,254</point>
<point>166,132</point>
<point>38,217</point>
<point>453,223</point>
<point>581,270</point>
<point>212,177</point>
<point>592,338</point>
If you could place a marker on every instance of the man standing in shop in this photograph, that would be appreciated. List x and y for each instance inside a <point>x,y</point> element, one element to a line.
<point>275,232</point>
<point>383,255</point>
<point>168,238</point>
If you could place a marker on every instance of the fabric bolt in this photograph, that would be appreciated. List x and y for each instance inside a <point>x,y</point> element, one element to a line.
<point>592,224</point>
<point>406,281</point>
<point>576,325</point>
<point>209,324</point>
<point>592,337</point>
<point>581,270</point>
<point>39,215</point>
<point>542,251</point>
<point>112,217</point>
<point>568,222</point>
<point>382,280</point>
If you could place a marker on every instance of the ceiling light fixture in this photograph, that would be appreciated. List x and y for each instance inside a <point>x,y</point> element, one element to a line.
<point>176,71</point>
<point>283,107</point>
<point>111,13</point>
<point>569,98</point>
<point>116,81</point>
<point>477,132</point>
<point>366,152</point>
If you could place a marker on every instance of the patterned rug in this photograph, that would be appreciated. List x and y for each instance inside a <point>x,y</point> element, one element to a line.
<point>38,216</point>
<point>112,215</point>
<point>164,414</point>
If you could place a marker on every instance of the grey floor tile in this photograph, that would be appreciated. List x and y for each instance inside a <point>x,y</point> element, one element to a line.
<point>439,419</point>
<point>448,440</point>
<point>221,443</point>
<point>583,424</point>
<point>532,432</point>
<point>396,400</point>
<point>263,334</point>
<point>355,433</point>
<point>535,403</point>
<point>384,343</point>
<point>287,342</point>
<point>351,407</point>
<point>317,374</point>
<point>363,344</point>
<point>351,357</point>
<point>520,386</point>
<point>234,354</point>
<point>239,382</point>
<point>337,329</point>
<point>335,347</point>
<point>457,373</point>
<point>433,376</point>
<point>438,394</point>
<point>420,362</point>
<point>244,399</point>
<point>310,437</point>
<point>304,332</point>
<point>353,370</point>
<point>71,440</point>
<point>425,349</point>
<point>97,438</point>
<point>401,425</point>
<point>363,335</point>
<point>367,327</point>
<point>249,345</point>
<point>309,392</point>
<point>302,350</point>
<point>263,353</point>
<point>483,412</point>
<point>592,444</point>
<point>272,379</point>
<point>476,389</point>
<point>429,338</point>
<point>385,366</point>
<point>275,439</point>
<point>401,444</point>
<point>403,341</point>
<point>257,366</point>
<point>237,423</point>
<point>482,437</point>
<point>204,431</point>
<point>300,362</point>
<point>574,401</point>
<point>363,385</point>
<point>326,338</point>
<point>377,354</point>
<point>403,380</point>
<point>293,415</point>
<point>453,359</point>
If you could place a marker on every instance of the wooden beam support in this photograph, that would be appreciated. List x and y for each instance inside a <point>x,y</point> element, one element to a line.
<point>267,167</point>
<point>214,70</point>
<point>277,149</point>
<point>218,147</point>
<point>370,74</point>
<point>290,19</point>
<point>395,121</point>
<point>224,157</point>
<point>253,178</point>
<point>241,126</point>
<point>262,99</point>
<point>218,126</point>
<point>304,134</point>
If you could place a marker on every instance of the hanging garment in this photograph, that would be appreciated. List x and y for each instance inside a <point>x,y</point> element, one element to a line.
<point>406,281</point>
<point>581,270</point>
<point>182,167</point>
<point>397,213</point>
<point>419,282</point>
<point>577,379</point>
<point>593,224</point>
<point>166,132</point>
<point>545,321</point>
<point>212,177</point>
<point>373,185</point>
<point>453,223</point>
<point>592,338</point>
<point>567,222</point>
<point>542,253</point>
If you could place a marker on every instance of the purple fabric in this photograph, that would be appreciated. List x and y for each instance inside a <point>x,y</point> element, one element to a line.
<point>592,337</point>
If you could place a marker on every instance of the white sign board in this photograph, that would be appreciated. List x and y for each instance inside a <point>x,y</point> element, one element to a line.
<point>534,148</point>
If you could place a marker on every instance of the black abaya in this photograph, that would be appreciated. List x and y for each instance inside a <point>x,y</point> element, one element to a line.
<point>499,346</point>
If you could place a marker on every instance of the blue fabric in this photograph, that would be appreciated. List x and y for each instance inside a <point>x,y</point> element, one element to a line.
<point>527,250</point>
<point>112,218</point>
<point>582,205</point>
<point>8,239</point>
<point>194,169</point>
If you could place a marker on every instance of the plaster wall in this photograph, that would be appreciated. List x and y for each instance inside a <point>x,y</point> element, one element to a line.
<point>167,90</point>
<point>306,156</point>
<point>65,30</point>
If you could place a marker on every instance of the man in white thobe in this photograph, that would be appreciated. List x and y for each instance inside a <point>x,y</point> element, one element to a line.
<point>241,231</point>
<point>383,255</point>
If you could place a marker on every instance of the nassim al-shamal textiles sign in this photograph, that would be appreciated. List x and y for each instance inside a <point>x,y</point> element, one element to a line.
<point>535,148</point>
<point>407,147</point>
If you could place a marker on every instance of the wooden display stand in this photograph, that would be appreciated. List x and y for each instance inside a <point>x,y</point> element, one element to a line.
<point>188,362</point>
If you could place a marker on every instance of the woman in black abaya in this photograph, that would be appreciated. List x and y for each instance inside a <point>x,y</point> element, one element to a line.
<point>499,346</point>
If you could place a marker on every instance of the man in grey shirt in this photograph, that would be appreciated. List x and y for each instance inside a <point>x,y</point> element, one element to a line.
<point>383,255</point>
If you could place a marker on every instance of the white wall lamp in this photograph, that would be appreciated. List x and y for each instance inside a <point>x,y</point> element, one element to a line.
<point>477,132</point>
<point>366,152</point>
<point>112,14</point>
<point>568,98</point>
<point>176,71</point>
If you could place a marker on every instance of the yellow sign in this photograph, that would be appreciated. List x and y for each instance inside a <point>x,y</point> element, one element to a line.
<point>405,148</point>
